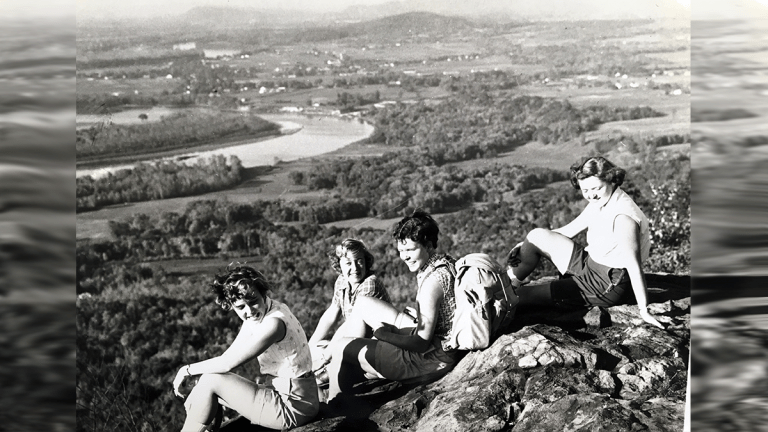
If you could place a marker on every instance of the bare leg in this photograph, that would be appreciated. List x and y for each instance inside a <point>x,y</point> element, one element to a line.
<point>368,312</point>
<point>352,357</point>
<point>235,392</point>
<point>539,243</point>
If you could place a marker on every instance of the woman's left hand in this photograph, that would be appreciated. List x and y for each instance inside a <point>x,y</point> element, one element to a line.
<point>647,317</point>
<point>179,380</point>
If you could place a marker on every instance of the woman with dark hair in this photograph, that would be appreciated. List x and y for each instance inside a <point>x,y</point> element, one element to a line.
<point>354,264</point>
<point>610,268</point>
<point>407,344</point>
<point>284,395</point>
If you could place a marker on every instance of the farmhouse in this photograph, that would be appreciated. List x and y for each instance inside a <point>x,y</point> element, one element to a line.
<point>186,46</point>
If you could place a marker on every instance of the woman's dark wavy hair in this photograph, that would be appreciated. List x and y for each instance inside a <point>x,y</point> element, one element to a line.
<point>419,227</point>
<point>238,283</point>
<point>599,167</point>
<point>357,247</point>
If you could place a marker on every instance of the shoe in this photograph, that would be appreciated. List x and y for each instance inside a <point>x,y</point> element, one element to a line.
<point>322,378</point>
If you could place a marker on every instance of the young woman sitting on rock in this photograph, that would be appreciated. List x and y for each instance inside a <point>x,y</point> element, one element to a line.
<point>610,268</point>
<point>354,263</point>
<point>284,395</point>
<point>407,344</point>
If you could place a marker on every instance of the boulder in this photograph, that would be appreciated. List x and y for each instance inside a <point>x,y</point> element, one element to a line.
<point>597,369</point>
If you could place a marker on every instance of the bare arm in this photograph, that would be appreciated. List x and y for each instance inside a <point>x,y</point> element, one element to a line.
<point>628,233</point>
<point>574,227</point>
<point>329,318</point>
<point>250,341</point>
<point>427,303</point>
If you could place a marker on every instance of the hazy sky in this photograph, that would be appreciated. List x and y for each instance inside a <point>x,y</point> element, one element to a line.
<point>699,9</point>
<point>11,9</point>
<point>138,8</point>
<point>145,8</point>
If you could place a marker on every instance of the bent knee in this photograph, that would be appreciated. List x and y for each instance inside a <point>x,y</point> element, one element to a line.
<point>209,380</point>
<point>538,236</point>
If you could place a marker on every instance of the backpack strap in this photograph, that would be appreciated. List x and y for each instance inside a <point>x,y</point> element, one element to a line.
<point>443,262</point>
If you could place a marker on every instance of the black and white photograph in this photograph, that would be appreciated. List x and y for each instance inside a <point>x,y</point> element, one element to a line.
<point>402,215</point>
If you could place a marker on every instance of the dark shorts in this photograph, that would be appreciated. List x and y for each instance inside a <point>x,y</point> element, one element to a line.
<point>588,283</point>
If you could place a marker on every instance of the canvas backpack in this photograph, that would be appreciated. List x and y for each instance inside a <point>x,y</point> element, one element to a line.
<point>480,319</point>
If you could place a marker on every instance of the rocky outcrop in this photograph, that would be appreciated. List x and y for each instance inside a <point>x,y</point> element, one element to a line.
<point>598,369</point>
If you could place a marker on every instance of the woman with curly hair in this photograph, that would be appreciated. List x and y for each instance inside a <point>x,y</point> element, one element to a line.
<point>609,270</point>
<point>284,395</point>
<point>354,264</point>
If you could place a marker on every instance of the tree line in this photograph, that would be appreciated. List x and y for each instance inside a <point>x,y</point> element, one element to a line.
<point>178,130</point>
<point>478,124</point>
<point>161,180</point>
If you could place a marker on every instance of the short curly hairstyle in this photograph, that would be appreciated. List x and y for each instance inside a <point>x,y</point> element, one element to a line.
<point>239,282</point>
<point>599,167</point>
<point>419,227</point>
<point>354,246</point>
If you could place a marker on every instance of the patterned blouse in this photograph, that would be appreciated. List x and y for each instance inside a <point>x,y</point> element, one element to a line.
<point>440,267</point>
<point>290,357</point>
<point>344,296</point>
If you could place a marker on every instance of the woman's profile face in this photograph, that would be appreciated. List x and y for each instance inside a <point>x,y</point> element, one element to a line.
<point>414,254</point>
<point>596,190</point>
<point>252,309</point>
<point>352,267</point>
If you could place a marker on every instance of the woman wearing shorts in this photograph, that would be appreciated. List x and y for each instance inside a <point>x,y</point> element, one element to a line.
<point>284,395</point>
<point>409,344</point>
<point>610,268</point>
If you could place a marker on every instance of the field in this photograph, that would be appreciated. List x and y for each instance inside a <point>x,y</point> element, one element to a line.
<point>428,57</point>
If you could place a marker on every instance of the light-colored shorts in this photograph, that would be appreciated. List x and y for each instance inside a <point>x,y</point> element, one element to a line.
<point>284,403</point>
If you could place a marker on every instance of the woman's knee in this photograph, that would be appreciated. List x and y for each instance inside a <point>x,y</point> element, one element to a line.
<point>366,305</point>
<point>372,311</point>
<point>209,382</point>
<point>538,236</point>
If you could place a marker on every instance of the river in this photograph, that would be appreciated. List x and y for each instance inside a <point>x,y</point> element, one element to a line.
<point>304,136</point>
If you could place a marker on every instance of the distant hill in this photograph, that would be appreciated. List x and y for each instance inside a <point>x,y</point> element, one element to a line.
<point>513,10</point>
<point>410,24</point>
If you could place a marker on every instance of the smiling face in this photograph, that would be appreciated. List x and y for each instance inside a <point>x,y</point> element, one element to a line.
<point>596,190</point>
<point>414,255</point>
<point>353,267</point>
<point>253,308</point>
